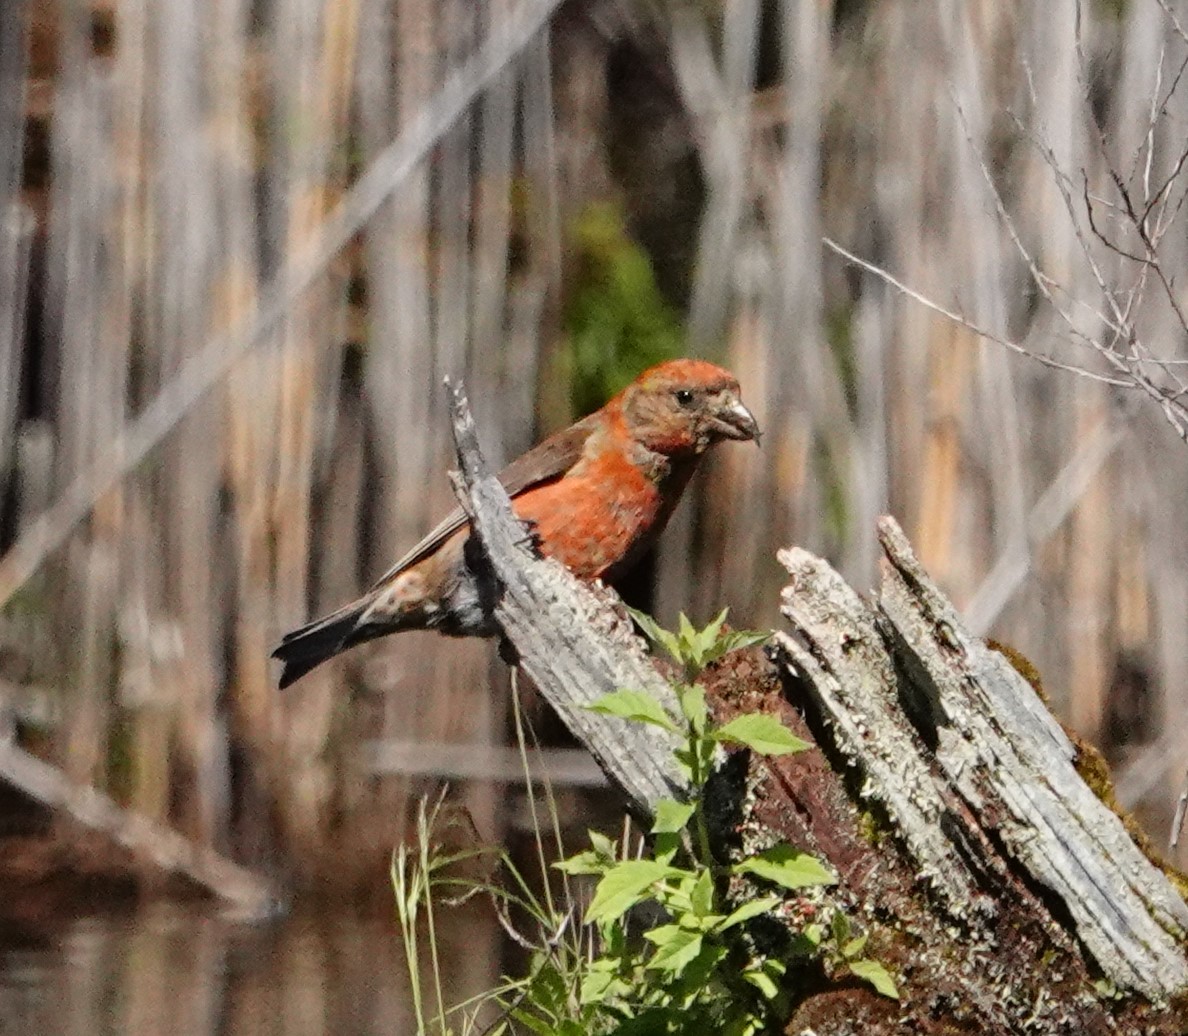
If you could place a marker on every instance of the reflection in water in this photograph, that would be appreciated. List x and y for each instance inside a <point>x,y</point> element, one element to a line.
<point>178,969</point>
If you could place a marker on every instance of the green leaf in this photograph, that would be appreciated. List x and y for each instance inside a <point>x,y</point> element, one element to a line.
<point>791,868</point>
<point>855,946</point>
<point>701,897</point>
<point>602,845</point>
<point>755,908</point>
<point>601,984</point>
<point>671,816</point>
<point>761,733</point>
<point>636,706</point>
<point>656,1021</point>
<point>676,947</point>
<point>877,975</point>
<point>762,982</point>
<point>736,639</point>
<point>665,846</point>
<point>807,942</point>
<point>839,927</point>
<point>676,896</point>
<point>537,1025</point>
<point>549,991</point>
<point>623,886</point>
<point>699,972</point>
<point>709,644</point>
<point>696,756</point>
<point>614,946</point>
<point>656,633</point>
<point>651,628</point>
<point>693,708</point>
<point>586,862</point>
<point>595,860</point>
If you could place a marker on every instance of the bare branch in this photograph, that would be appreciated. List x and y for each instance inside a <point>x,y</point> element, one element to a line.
<point>574,644</point>
<point>962,321</point>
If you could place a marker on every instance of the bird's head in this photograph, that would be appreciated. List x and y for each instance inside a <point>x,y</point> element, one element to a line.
<point>684,407</point>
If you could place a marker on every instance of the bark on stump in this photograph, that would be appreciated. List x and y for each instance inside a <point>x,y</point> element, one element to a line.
<point>1004,895</point>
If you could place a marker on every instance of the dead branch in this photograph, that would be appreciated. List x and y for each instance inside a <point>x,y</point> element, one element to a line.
<point>252,896</point>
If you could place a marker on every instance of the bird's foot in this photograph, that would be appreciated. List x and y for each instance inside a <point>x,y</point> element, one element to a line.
<point>531,538</point>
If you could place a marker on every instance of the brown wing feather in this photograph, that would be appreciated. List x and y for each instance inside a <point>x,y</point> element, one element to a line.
<point>545,462</point>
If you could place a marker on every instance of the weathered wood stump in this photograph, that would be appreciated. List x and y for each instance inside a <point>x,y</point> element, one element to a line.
<point>1000,889</point>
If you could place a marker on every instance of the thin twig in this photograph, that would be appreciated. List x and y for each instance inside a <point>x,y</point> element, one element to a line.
<point>1134,377</point>
<point>962,321</point>
<point>1042,281</point>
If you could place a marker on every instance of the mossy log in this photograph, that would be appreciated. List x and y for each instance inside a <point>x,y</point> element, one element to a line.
<point>1001,891</point>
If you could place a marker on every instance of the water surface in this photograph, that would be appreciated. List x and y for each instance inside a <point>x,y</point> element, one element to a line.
<point>172,968</point>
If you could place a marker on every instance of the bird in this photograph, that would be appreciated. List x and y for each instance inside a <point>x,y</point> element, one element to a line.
<point>595,496</point>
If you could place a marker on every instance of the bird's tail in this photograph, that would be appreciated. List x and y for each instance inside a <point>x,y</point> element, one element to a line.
<point>311,645</point>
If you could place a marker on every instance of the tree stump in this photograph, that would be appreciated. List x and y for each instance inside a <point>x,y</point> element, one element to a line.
<point>1001,891</point>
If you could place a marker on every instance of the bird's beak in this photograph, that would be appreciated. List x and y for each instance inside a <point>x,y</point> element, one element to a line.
<point>735,421</point>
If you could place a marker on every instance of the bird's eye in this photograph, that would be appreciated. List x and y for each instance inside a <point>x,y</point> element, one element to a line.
<point>684,396</point>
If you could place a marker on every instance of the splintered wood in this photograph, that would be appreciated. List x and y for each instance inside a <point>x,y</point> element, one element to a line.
<point>975,774</point>
<point>998,855</point>
<point>572,640</point>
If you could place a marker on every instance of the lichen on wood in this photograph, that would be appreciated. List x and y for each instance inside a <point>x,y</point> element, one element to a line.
<point>975,775</point>
<point>1009,759</point>
<point>840,651</point>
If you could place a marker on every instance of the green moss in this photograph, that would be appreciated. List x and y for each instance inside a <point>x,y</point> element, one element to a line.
<point>1095,772</point>
<point>1023,666</point>
<point>616,321</point>
<point>870,829</point>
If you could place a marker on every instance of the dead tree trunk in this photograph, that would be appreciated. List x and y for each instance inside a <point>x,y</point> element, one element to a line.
<point>992,880</point>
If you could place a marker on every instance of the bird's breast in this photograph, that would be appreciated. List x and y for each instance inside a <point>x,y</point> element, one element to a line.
<point>599,516</point>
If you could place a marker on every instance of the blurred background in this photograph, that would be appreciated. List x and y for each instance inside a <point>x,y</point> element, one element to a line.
<point>242,241</point>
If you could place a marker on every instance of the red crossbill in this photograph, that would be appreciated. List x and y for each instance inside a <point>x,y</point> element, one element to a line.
<point>596,496</point>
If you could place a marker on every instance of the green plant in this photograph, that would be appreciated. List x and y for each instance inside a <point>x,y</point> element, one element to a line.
<point>617,322</point>
<point>841,950</point>
<point>694,971</point>
<point>429,874</point>
<point>663,944</point>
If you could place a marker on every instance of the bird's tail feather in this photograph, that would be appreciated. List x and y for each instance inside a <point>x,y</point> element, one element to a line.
<point>311,645</point>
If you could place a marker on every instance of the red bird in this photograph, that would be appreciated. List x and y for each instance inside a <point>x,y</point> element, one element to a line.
<point>597,495</point>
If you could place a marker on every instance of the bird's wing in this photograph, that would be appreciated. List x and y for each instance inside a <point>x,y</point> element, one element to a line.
<point>545,462</point>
